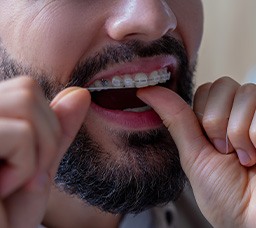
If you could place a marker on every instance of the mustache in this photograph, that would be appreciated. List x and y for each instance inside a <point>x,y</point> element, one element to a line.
<point>126,52</point>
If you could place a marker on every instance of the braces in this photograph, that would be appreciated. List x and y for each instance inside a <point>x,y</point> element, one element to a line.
<point>135,83</point>
<point>92,89</point>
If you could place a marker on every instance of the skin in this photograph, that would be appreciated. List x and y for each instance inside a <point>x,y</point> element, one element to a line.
<point>73,33</point>
<point>227,194</point>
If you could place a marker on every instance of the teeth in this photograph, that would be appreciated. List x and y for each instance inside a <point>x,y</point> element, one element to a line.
<point>98,84</point>
<point>139,109</point>
<point>105,82</point>
<point>153,78</point>
<point>128,81</point>
<point>162,74</point>
<point>141,80</point>
<point>138,80</point>
<point>168,76</point>
<point>117,81</point>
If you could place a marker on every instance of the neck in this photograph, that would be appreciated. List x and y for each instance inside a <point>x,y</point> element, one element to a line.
<point>65,211</point>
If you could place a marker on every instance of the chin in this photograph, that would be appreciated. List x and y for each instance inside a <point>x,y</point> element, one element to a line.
<point>144,171</point>
<point>139,166</point>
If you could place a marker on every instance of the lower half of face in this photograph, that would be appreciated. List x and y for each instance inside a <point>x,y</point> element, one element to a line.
<point>123,159</point>
<point>142,171</point>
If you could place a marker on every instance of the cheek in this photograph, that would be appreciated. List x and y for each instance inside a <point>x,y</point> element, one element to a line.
<point>55,36</point>
<point>195,31</point>
<point>190,27</point>
<point>58,41</point>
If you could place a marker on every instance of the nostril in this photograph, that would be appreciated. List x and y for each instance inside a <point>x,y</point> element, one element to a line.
<point>145,20</point>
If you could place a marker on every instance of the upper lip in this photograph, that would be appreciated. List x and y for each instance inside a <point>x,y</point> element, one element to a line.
<point>145,65</point>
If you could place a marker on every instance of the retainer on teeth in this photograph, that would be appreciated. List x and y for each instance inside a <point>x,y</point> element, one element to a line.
<point>139,80</point>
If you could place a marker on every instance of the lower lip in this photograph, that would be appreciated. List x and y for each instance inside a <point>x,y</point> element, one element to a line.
<point>129,120</point>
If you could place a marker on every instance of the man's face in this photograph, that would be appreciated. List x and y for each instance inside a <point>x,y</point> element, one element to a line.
<point>123,159</point>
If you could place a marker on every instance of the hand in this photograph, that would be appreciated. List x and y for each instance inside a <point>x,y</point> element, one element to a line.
<point>224,189</point>
<point>226,111</point>
<point>33,136</point>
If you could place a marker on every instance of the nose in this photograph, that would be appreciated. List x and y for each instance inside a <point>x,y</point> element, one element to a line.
<point>146,20</point>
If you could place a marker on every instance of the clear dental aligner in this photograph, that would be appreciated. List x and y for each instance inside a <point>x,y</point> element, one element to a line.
<point>138,80</point>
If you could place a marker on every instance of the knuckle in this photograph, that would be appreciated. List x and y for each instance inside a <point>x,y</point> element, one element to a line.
<point>208,122</point>
<point>252,135</point>
<point>224,82</point>
<point>201,94</point>
<point>214,123</point>
<point>247,89</point>
<point>27,98</point>
<point>236,132</point>
<point>25,129</point>
<point>203,88</point>
<point>27,82</point>
<point>29,94</point>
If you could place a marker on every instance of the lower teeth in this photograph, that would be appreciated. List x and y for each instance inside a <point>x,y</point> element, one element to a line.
<point>139,109</point>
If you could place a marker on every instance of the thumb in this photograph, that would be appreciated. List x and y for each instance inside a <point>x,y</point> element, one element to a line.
<point>181,122</point>
<point>70,107</point>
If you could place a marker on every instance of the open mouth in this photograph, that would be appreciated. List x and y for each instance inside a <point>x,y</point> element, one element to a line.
<point>119,92</point>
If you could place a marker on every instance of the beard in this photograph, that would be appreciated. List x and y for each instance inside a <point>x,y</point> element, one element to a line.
<point>145,170</point>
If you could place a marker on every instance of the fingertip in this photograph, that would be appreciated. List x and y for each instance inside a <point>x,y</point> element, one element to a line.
<point>144,93</point>
<point>158,97</point>
<point>71,107</point>
<point>243,157</point>
<point>80,96</point>
<point>64,93</point>
<point>246,159</point>
<point>223,145</point>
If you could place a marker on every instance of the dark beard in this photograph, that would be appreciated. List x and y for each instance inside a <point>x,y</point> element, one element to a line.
<point>147,171</point>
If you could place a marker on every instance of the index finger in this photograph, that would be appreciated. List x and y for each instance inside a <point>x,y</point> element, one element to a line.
<point>181,122</point>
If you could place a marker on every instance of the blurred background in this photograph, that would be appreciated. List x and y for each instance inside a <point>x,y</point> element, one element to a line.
<point>229,41</point>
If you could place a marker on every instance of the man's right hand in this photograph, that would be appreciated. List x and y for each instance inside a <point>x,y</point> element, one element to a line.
<point>33,136</point>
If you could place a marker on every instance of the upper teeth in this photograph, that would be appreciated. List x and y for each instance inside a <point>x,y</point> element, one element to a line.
<point>138,80</point>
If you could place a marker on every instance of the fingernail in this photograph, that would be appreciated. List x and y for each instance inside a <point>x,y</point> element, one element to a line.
<point>63,94</point>
<point>221,145</point>
<point>243,157</point>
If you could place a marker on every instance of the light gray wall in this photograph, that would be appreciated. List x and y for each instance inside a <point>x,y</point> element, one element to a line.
<point>229,41</point>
